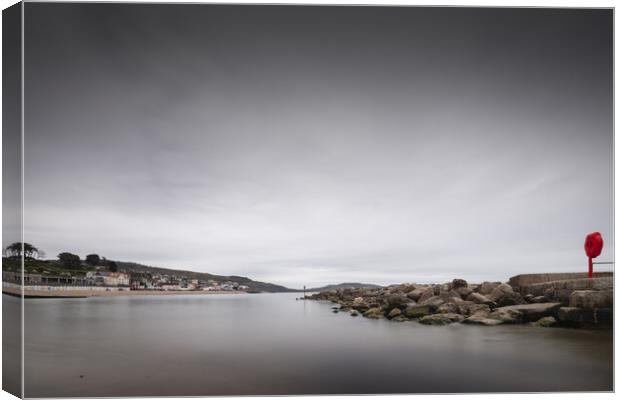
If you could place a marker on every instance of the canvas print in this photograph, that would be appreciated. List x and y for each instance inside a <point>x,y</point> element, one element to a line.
<point>231,200</point>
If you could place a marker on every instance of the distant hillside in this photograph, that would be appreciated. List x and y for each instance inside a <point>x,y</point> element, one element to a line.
<point>54,267</point>
<point>347,285</point>
<point>242,280</point>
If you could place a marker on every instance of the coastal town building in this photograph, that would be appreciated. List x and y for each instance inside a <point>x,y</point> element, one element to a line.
<point>170,287</point>
<point>43,279</point>
<point>116,279</point>
<point>133,281</point>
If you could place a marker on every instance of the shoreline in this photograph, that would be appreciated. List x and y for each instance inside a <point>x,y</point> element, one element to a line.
<point>39,294</point>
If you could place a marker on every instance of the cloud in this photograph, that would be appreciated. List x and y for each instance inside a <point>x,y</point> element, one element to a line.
<point>303,158</point>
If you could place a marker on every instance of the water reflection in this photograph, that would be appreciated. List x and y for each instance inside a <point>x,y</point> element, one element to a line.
<point>274,344</point>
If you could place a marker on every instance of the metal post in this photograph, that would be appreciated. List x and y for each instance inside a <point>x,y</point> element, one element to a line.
<point>590,267</point>
<point>304,292</point>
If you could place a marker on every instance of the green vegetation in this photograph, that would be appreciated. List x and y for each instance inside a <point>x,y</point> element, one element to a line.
<point>68,264</point>
<point>112,266</point>
<point>16,249</point>
<point>70,261</point>
<point>93,259</point>
<point>47,267</point>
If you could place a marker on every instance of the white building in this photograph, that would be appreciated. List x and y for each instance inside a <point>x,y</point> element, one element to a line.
<point>116,279</point>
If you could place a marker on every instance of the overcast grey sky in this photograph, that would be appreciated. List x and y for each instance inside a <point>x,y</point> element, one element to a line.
<point>314,145</point>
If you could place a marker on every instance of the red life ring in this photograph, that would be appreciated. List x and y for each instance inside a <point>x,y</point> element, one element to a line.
<point>594,244</point>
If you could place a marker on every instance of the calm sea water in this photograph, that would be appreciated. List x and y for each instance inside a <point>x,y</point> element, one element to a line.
<point>273,344</point>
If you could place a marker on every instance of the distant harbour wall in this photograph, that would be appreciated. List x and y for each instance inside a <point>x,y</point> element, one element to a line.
<point>50,288</point>
<point>531,279</point>
<point>54,288</point>
<point>45,291</point>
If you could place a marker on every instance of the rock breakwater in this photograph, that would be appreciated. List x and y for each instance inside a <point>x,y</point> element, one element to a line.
<point>488,303</point>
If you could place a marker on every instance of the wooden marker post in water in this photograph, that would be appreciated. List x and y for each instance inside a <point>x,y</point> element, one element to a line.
<point>593,247</point>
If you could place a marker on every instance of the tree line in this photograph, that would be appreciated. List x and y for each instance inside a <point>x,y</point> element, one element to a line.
<point>66,259</point>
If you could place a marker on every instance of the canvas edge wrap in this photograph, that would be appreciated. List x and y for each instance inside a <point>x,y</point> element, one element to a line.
<point>12,189</point>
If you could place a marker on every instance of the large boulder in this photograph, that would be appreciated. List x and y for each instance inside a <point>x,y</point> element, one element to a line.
<point>455,300</point>
<point>511,299</point>
<point>507,315</point>
<point>373,302</point>
<point>374,313</point>
<point>480,299</point>
<point>481,320</point>
<point>407,287</point>
<point>458,283</point>
<point>464,306</point>
<point>546,322</point>
<point>464,292</point>
<point>487,287</point>
<point>394,313</point>
<point>539,299</point>
<point>346,294</point>
<point>441,319</point>
<point>328,295</point>
<point>415,294</point>
<point>426,294</point>
<point>499,291</point>
<point>591,299</point>
<point>396,300</point>
<point>471,308</point>
<point>435,301</point>
<point>479,309</point>
<point>360,305</point>
<point>533,312</point>
<point>419,310</point>
<point>445,296</point>
<point>448,308</point>
<point>394,289</point>
<point>445,287</point>
<point>503,295</point>
<point>576,316</point>
<point>503,287</point>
